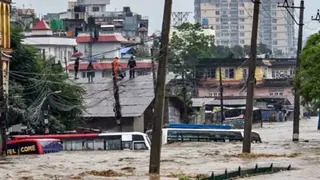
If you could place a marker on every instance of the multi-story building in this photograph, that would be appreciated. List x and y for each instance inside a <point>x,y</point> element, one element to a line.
<point>273,78</point>
<point>232,21</point>
<point>126,22</point>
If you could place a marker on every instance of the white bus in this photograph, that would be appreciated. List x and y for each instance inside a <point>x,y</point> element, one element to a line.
<point>98,141</point>
<point>170,135</point>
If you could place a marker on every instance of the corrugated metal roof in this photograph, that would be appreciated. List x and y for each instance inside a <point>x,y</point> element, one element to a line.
<point>135,96</point>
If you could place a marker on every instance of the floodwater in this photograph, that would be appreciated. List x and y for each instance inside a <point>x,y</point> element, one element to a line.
<point>180,158</point>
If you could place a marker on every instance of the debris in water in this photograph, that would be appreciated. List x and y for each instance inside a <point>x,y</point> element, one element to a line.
<point>128,169</point>
<point>253,156</point>
<point>107,173</point>
<point>126,158</point>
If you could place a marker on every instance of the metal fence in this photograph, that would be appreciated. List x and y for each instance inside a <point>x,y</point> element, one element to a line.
<point>246,172</point>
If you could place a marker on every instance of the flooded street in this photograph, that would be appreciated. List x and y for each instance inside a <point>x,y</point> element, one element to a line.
<point>179,158</point>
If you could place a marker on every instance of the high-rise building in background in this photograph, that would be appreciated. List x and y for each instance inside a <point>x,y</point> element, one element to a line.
<point>232,21</point>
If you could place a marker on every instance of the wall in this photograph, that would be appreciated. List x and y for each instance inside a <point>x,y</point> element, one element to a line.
<point>112,49</point>
<point>174,114</point>
<point>138,124</point>
<point>238,74</point>
<point>109,124</point>
<point>59,52</point>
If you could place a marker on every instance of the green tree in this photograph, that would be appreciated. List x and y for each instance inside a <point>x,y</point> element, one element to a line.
<point>308,77</point>
<point>187,45</point>
<point>33,81</point>
<point>238,51</point>
<point>263,49</point>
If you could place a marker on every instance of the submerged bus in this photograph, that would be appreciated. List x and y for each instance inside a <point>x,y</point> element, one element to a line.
<point>96,141</point>
<point>171,135</point>
<point>33,146</point>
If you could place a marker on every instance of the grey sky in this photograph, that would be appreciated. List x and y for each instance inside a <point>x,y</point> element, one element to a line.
<point>154,9</point>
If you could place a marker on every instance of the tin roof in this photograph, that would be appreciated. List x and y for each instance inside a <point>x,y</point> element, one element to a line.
<point>135,96</point>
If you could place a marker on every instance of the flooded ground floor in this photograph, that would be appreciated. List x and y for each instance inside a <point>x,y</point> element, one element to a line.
<point>180,158</point>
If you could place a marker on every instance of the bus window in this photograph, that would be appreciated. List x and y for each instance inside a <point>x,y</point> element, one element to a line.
<point>50,146</point>
<point>77,145</point>
<point>67,145</point>
<point>137,138</point>
<point>89,144</point>
<point>113,144</point>
<point>99,144</point>
<point>126,144</point>
<point>139,146</point>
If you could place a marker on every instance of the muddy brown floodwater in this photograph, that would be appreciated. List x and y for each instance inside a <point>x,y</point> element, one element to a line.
<point>180,158</point>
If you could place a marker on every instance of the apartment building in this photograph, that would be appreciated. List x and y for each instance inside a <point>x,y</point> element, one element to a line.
<point>232,21</point>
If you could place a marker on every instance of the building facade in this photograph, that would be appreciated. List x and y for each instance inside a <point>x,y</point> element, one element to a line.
<point>58,47</point>
<point>273,78</point>
<point>232,21</point>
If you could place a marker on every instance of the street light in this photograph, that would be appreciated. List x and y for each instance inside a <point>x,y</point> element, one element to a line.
<point>46,111</point>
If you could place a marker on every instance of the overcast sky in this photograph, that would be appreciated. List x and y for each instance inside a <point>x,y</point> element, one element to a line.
<point>154,9</point>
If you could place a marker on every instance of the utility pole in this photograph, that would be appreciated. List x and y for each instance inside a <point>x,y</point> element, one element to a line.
<point>155,154</point>
<point>296,111</point>
<point>46,115</point>
<point>221,94</point>
<point>153,68</point>
<point>246,148</point>
<point>3,109</point>
<point>117,106</point>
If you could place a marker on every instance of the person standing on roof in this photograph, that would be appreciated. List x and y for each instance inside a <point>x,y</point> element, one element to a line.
<point>90,72</point>
<point>132,65</point>
<point>117,68</point>
<point>76,68</point>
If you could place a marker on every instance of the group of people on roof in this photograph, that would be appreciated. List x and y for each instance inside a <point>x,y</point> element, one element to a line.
<point>115,65</point>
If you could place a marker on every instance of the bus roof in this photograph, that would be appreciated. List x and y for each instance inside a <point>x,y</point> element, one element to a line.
<point>121,133</point>
<point>232,130</point>
<point>31,140</point>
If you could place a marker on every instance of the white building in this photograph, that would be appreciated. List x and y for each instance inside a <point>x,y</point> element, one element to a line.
<point>58,47</point>
<point>107,46</point>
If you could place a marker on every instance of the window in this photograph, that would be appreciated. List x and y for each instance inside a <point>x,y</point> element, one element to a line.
<point>241,27</point>
<point>274,28</point>
<point>275,35</point>
<point>275,42</point>
<point>229,73</point>
<point>217,27</point>
<point>217,19</point>
<point>241,12</point>
<point>211,73</point>
<point>274,20</point>
<point>217,5</point>
<point>217,12</point>
<point>274,13</point>
<point>241,19</point>
<point>242,34</point>
<point>241,41</point>
<point>95,9</point>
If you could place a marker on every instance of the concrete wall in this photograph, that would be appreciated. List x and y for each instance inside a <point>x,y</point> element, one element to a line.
<point>113,49</point>
<point>138,123</point>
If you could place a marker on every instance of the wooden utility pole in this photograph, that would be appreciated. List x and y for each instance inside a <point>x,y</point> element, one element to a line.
<point>117,106</point>
<point>155,154</point>
<point>153,68</point>
<point>246,148</point>
<point>296,110</point>
<point>221,94</point>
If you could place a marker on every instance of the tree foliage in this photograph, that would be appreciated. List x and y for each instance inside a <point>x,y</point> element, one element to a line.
<point>308,79</point>
<point>33,80</point>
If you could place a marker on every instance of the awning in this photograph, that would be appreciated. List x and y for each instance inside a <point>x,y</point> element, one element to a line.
<point>125,50</point>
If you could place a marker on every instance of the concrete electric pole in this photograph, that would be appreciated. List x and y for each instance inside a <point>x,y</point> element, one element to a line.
<point>296,111</point>
<point>246,148</point>
<point>155,154</point>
